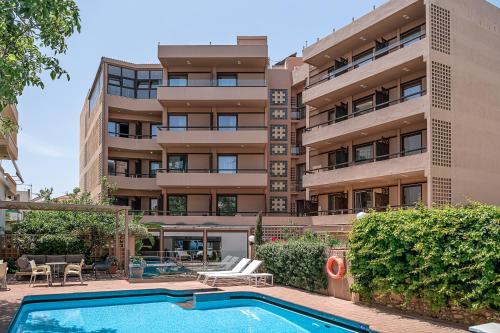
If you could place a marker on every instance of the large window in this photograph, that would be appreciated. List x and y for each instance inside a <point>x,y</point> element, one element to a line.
<point>154,166</point>
<point>118,129</point>
<point>362,105</point>
<point>363,200</point>
<point>154,204</point>
<point>337,202</point>
<point>130,83</point>
<point>411,143</point>
<point>412,194</point>
<point>227,80</point>
<point>226,205</point>
<point>363,58</point>
<point>227,122</point>
<point>411,90</point>
<point>118,168</point>
<point>177,80</point>
<point>412,36</point>
<point>95,92</point>
<point>227,163</point>
<point>177,163</point>
<point>120,201</point>
<point>177,204</point>
<point>154,128</point>
<point>363,153</point>
<point>177,122</point>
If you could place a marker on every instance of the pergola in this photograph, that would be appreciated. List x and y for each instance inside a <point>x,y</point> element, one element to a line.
<point>108,209</point>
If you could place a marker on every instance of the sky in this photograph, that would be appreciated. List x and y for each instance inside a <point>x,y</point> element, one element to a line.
<point>130,30</point>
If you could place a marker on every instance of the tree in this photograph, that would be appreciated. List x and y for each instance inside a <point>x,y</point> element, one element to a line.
<point>32,34</point>
<point>258,230</point>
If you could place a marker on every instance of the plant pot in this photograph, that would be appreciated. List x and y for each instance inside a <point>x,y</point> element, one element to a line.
<point>113,269</point>
<point>136,272</point>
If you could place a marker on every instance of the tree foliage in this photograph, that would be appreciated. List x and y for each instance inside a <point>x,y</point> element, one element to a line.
<point>32,34</point>
<point>448,257</point>
<point>258,230</point>
<point>60,232</point>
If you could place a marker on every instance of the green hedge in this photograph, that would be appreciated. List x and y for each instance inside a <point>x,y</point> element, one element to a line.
<point>299,263</point>
<point>449,257</point>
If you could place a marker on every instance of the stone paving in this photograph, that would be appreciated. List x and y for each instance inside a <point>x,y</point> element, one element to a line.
<point>379,319</point>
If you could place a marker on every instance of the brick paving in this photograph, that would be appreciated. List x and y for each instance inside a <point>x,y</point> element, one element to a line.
<point>379,319</point>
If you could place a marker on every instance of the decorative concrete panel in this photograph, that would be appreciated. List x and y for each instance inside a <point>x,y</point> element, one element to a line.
<point>278,204</point>
<point>279,113</point>
<point>441,86</point>
<point>441,143</point>
<point>279,133</point>
<point>440,29</point>
<point>278,185</point>
<point>279,149</point>
<point>278,96</point>
<point>441,191</point>
<point>279,168</point>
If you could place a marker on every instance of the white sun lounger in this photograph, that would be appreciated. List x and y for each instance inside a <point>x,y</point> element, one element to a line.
<point>236,269</point>
<point>245,274</point>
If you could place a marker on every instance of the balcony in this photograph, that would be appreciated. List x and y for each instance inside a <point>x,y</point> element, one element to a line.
<point>126,181</point>
<point>132,142</point>
<point>141,106</point>
<point>245,92</point>
<point>381,168</point>
<point>250,178</point>
<point>298,113</point>
<point>381,117</point>
<point>209,136</point>
<point>380,66</point>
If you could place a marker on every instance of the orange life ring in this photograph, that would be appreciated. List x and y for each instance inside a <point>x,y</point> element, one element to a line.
<point>341,267</point>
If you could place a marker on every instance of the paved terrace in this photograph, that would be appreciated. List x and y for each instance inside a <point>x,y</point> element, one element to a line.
<point>379,319</point>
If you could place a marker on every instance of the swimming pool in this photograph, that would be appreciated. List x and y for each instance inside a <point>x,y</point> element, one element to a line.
<point>166,311</point>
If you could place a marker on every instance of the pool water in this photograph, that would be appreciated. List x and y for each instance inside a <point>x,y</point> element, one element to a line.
<point>161,313</point>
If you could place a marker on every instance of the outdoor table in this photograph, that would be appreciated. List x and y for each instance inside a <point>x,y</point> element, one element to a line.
<point>56,265</point>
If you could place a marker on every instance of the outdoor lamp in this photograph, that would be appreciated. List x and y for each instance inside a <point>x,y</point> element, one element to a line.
<point>360,215</point>
<point>251,239</point>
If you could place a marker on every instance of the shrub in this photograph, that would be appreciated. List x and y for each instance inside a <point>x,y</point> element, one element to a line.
<point>298,262</point>
<point>448,257</point>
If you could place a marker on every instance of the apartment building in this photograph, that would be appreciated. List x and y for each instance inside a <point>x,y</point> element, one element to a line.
<point>403,107</point>
<point>396,108</point>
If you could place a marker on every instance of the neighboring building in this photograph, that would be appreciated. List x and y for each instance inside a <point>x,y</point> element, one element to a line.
<point>8,151</point>
<point>403,106</point>
<point>395,108</point>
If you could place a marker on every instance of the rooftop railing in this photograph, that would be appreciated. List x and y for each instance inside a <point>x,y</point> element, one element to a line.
<point>330,73</point>
<point>358,113</point>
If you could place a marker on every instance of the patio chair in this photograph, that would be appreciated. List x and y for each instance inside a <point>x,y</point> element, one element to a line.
<point>237,269</point>
<point>72,269</point>
<point>3,275</point>
<point>245,274</point>
<point>181,254</point>
<point>37,270</point>
<point>102,267</point>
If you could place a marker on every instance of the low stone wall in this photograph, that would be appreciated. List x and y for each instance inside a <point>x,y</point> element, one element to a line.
<point>457,315</point>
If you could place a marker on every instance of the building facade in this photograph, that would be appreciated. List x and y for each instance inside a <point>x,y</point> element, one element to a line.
<point>397,108</point>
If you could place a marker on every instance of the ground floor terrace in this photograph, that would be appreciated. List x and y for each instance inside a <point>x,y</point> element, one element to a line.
<point>380,319</point>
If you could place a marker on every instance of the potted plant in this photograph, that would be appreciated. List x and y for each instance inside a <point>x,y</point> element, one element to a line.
<point>136,267</point>
<point>113,264</point>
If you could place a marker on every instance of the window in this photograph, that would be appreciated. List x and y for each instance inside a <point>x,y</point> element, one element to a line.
<point>118,129</point>
<point>154,166</point>
<point>412,36</point>
<point>177,122</point>
<point>154,204</point>
<point>226,205</point>
<point>411,143</point>
<point>133,84</point>
<point>95,92</point>
<point>227,163</point>
<point>178,80</point>
<point>120,201</point>
<point>153,129</point>
<point>118,168</point>
<point>177,204</point>
<point>411,90</point>
<point>338,158</point>
<point>227,80</point>
<point>363,153</point>
<point>177,163</point>
<point>363,199</point>
<point>362,58</point>
<point>362,105</point>
<point>412,194</point>
<point>300,171</point>
<point>337,202</point>
<point>227,122</point>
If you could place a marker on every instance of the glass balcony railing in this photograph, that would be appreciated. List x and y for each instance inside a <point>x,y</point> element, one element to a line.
<point>298,113</point>
<point>332,73</point>
<point>213,128</point>
<point>209,170</point>
<point>214,83</point>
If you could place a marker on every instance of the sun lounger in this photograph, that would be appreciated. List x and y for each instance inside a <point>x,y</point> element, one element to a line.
<point>236,269</point>
<point>245,274</point>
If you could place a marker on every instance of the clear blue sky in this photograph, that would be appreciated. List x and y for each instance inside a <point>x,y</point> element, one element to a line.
<point>130,30</point>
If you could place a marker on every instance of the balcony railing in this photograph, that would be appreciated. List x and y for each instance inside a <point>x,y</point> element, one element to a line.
<point>209,170</point>
<point>329,74</point>
<point>369,160</point>
<point>297,186</point>
<point>298,150</point>
<point>342,211</point>
<point>298,113</point>
<point>215,83</point>
<point>211,128</point>
<point>132,175</point>
<point>365,111</point>
<point>131,136</point>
